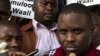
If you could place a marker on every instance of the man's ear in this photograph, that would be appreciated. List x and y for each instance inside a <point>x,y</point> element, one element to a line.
<point>33,7</point>
<point>93,29</point>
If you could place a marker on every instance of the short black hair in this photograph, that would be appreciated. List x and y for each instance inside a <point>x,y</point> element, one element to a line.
<point>7,4</point>
<point>78,8</point>
<point>95,9</point>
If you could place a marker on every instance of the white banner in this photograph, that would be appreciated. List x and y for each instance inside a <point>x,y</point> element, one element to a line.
<point>22,9</point>
<point>85,2</point>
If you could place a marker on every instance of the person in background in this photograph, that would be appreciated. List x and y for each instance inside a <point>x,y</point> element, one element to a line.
<point>10,39</point>
<point>5,9</point>
<point>40,32</point>
<point>95,11</point>
<point>75,29</point>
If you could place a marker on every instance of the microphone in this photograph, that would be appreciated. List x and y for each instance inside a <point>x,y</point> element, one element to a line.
<point>32,53</point>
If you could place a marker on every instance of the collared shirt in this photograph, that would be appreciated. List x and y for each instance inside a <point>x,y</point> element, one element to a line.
<point>60,52</point>
<point>98,47</point>
<point>46,39</point>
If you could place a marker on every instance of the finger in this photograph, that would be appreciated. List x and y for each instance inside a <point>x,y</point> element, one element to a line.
<point>12,53</point>
<point>9,53</point>
<point>72,54</point>
<point>20,54</point>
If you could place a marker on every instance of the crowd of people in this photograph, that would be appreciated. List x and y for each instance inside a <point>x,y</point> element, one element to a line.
<point>55,30</point>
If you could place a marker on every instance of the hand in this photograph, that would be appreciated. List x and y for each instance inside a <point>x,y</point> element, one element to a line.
<point>15,53</point>
<point>72,54</point>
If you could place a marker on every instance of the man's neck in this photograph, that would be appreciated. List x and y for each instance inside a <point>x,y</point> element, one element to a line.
<point>49,25</point>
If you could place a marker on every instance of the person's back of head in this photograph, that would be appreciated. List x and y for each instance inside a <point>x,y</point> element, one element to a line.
<point>95,11</point>
<point>5,7</point>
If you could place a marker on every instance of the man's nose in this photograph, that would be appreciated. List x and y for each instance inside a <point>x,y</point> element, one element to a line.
<point>70,38</point>
<point>13,43</point>
<point>49,6</point>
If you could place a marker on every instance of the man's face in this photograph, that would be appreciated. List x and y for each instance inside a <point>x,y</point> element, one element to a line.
<point>11,36</point>
<point>4,11</point>
<point>45,10</point>
<point>74,32</point>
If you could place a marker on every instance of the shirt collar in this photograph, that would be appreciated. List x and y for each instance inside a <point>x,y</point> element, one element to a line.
<point>37,25</point>
<point>93,51</point>
<point>54,27</point>
<point>98,48</point>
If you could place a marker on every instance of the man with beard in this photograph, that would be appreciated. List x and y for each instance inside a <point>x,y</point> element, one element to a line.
<point>40,34</point>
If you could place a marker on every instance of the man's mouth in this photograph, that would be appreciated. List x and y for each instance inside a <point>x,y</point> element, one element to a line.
<point>70,48</point>
<point>48,15</point>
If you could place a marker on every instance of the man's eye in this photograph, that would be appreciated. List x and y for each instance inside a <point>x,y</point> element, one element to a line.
<point>63,31</point>
<point>44,3</point>
<point>77,31</point>
<point>19,39</point>
<point>8,39</point>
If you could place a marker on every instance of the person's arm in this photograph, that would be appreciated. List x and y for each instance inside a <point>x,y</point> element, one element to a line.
<point>15,53</point>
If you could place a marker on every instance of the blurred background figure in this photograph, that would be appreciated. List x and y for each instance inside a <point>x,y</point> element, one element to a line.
<point>5,9</point>
<point>95,11</point>
<point>11,37</point>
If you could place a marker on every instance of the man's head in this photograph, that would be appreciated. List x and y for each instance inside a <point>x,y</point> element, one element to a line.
<point>5,9</point>
<point>45,11</point>
<point>74,29</point>
<point>10,33</point>
<point>95,10</point>
<point>96,22</point>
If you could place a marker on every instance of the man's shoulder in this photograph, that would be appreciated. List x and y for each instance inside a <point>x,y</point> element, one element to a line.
<point>55,52</point>
<point>98,52</point>
<point>27,26</point>
<point>93,52</point>
<point>59,52</point>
